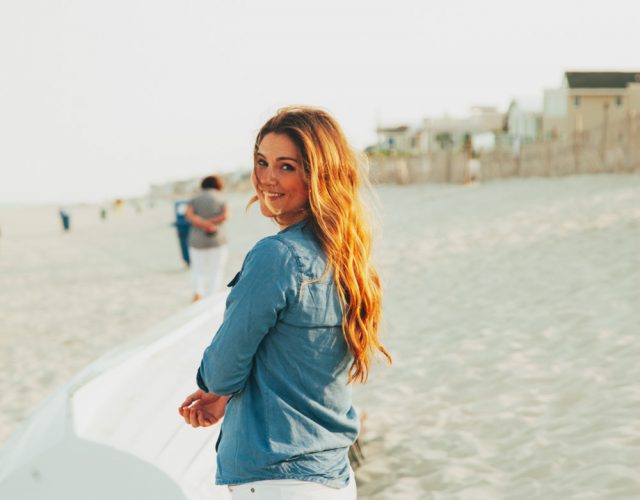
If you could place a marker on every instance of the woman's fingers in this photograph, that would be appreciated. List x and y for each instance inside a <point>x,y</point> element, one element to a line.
<point>191,398</point>
<point>196,409</point>
<point>190,416</point>
<point>202,420</point>
<point>185,412</point>
<point>198,418</point>
<point>193,422</point>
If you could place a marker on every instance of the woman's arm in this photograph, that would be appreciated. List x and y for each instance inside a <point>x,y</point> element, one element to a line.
<point>219,219</point>
<point>200,222</point>
<point>267,283</point>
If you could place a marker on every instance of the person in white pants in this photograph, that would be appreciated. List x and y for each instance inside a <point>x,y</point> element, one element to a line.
<point>207,241</point>
<point>207,269</point>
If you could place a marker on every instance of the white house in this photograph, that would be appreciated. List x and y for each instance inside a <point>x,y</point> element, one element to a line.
<point>524,120</point>
<point>478,131</point>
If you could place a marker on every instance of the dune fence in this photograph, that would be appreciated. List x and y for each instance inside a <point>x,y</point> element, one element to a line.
<point>609,148</point>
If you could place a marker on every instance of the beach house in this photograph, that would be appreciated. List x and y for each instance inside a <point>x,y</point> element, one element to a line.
<point>524,120</point>
<point>481,130</point>
<point>588,99</point>
<point>400,139</point>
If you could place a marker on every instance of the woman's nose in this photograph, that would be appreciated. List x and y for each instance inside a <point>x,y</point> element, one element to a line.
<point>267,175</point>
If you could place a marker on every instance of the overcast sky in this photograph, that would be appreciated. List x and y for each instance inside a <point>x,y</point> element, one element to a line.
<point>100,98</point>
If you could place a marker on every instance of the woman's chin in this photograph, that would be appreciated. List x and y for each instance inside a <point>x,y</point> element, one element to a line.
<point>266,211</point>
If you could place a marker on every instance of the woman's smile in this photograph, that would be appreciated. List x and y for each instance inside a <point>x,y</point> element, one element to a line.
<point>279,180</point>
<point>272,195</point>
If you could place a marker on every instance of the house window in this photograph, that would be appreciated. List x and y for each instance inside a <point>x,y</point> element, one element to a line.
<point>618,100</point>
<point>576,101</point>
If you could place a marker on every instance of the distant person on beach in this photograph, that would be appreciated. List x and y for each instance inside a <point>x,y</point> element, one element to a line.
<point>301,323</point>
<point>207,242</point>
<point>473,168</point>
<point>65,218</point>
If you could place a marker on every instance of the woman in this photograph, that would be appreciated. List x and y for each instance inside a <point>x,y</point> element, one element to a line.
<point>207,242</point>
<point>301,322</point>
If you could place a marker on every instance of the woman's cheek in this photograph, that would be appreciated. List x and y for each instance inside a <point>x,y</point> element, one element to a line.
<point>264,207</point>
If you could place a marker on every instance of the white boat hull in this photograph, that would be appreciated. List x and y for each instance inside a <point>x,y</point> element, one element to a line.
<point>113,432</point>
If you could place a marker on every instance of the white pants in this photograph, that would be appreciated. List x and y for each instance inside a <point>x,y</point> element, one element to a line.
<point>287,489</point>
<point>207,268</point>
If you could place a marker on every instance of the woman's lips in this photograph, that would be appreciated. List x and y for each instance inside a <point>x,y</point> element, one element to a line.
<point>272,196</point>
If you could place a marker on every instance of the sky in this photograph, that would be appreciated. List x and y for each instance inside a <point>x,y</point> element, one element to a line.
<point>98,99</point>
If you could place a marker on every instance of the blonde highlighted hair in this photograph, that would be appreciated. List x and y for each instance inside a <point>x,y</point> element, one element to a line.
<point>337,217</point>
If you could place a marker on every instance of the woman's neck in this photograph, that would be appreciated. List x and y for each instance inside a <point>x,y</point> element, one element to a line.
<point>290,221</point>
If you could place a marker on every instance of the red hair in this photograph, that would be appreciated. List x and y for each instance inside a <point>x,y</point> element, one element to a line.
<point>338,219</point>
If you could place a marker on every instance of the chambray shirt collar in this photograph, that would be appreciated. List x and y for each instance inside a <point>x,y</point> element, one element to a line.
<point>300,225</point>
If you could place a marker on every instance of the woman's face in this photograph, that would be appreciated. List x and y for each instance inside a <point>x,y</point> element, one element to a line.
<point>278,180</point>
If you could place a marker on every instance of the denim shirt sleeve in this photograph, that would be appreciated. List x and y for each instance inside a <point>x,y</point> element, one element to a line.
<point>266,285</point>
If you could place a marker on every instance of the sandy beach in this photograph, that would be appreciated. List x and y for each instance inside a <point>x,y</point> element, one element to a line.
<point>512,310</point>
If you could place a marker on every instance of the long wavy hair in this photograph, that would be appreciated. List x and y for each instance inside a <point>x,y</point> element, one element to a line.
<point>337,216</point>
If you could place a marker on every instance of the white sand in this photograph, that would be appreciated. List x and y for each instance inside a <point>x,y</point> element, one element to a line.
<point>512,311</point>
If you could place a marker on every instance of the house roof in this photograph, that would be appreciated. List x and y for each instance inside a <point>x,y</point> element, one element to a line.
<point>397,130</point>
<point>601,79</point>
<point>473,124</point>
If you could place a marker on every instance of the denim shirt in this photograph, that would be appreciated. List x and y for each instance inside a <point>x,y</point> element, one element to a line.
<point>280,352</point>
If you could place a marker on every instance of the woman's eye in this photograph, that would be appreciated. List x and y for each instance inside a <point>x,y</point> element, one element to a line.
<point>287,166</point>
<point>261,163</point>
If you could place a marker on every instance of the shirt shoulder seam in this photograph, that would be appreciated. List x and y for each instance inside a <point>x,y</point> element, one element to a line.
<point>296,258</point>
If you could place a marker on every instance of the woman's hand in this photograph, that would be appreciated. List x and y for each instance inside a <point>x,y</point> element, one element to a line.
<point>209,227</point>
<point>202,409</point>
